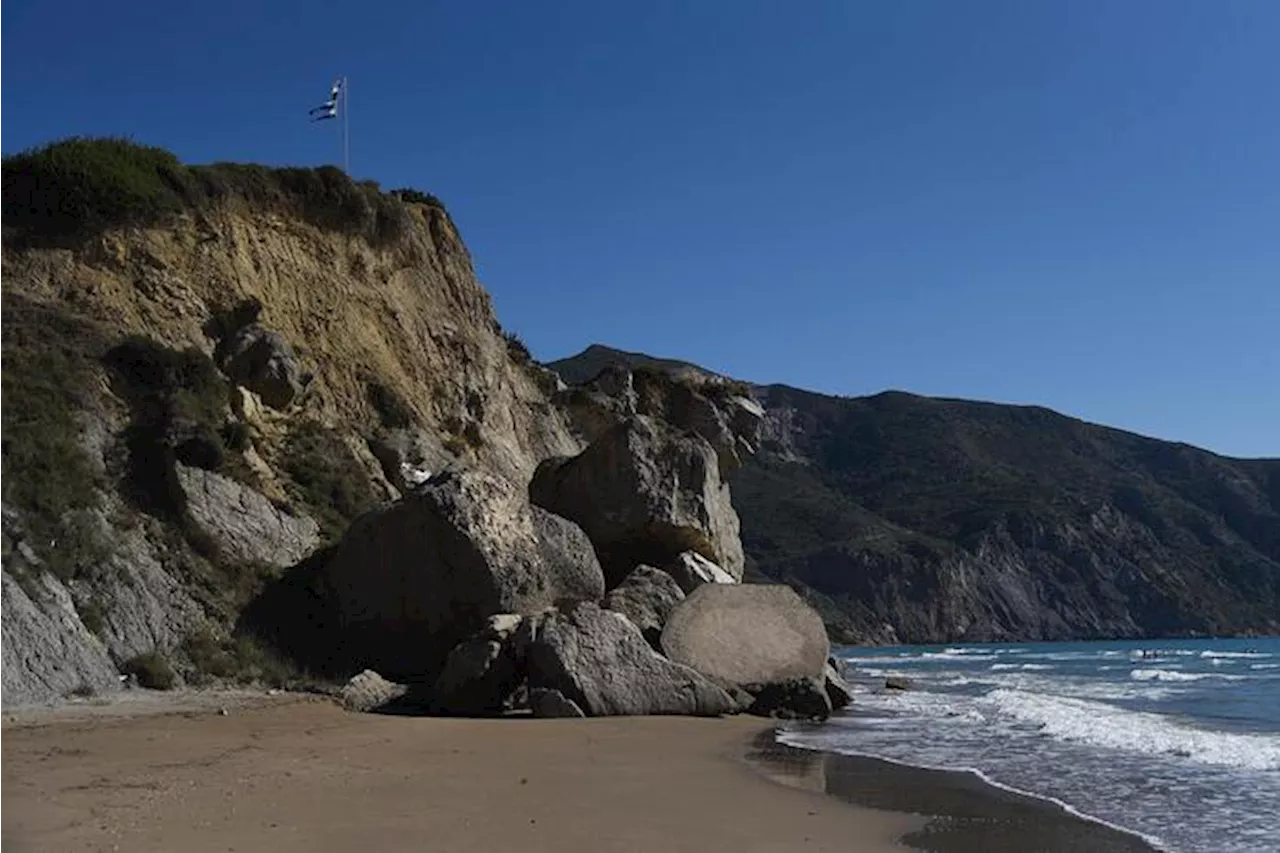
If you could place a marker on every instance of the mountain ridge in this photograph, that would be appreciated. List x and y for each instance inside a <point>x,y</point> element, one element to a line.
<point>924,519</point>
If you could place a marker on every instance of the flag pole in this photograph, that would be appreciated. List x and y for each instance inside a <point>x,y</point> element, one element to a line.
<point>346,128</point>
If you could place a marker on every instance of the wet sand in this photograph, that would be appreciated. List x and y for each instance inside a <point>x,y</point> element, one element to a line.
<point>966,814</point>
<point>300,774</point>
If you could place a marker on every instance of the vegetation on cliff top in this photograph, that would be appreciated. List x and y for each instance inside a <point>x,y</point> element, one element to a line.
<point>66,191</point>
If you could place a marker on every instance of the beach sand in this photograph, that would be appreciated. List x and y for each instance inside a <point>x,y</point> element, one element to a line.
<point>299,774</point>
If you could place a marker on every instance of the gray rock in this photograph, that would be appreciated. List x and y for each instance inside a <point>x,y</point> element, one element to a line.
<point>244,524</point>
<point>838,690</point>
<point>413,579</point>
<point>483,671</point>
<point>48,652</point>
<point>599,660</point>
<point>368,691</point>
<point>552,703</point>
<point>262,361</point>
<point>644,493</point>
<point>691,570</point>
<point>747,634</point>
<point>795,699</point>
<point>646,597</point>
<point>895,682</point>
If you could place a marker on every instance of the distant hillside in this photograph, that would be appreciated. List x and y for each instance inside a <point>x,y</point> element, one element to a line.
<point>587,364</point>
<point>927,520</point>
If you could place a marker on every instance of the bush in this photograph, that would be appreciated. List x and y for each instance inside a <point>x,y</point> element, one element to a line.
<point>330,481</point>
<point>412,196</point>
<point>517,349</point>
<point>66,191</point>
<point>49,383</point>
<point>151,670</point>
<point>393,411</point>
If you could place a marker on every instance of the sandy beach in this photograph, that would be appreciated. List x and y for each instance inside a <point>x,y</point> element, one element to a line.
<point>299,774</point>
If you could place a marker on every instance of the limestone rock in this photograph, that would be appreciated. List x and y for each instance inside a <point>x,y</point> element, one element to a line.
<point>691,570</point>
<point>245,525</point>
<point>552,703</point>
<point>646,597</point>
<point>838,690</point>
<point>413,579</point>
<point>599,660</point>
<point>483,671</point>
<point>747,634</point>
<point>264,362</point>
<point>368,691</point>
<point>644,493</point>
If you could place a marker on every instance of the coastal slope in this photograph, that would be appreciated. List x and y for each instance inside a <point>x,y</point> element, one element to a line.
<point>912,519</point>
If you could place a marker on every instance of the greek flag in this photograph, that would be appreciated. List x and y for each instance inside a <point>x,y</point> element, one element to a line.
<point>329,109</point>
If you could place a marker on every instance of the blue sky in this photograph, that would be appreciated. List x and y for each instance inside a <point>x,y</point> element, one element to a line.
<point>1074,204</point>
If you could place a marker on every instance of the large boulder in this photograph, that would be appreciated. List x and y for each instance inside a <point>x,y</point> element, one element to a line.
<point>762,638</point>
<point>413,579</point>
<point>244,525</point>
<point>646,597</point>
<point>838,690</point>
<point>550,704</point>
<point>691,570</point>
<point>644,493</point>
<point>483,671</point>
<point>599,660</point>
<point>262,361</point>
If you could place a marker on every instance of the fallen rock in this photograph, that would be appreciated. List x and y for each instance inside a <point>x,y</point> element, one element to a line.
<point>795,699</point>
<point>600,661</point>
<point>552,703</point>
<point>646,597</point>
<point>262,361</point>
<point>644,493</point>
<point>412,580</point>
<point>245,525</point>
<point>483,671</point>
<point>691,570</point>
<point>838,690</point>
<point>747,634</point>
<point>895,682</point>
<point>368,691</point>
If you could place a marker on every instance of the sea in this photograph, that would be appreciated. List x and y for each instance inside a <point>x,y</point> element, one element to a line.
<point>1176,740</point>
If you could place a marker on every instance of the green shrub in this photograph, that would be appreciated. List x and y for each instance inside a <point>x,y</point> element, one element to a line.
<point>412,196</point>
<point>49,382</point>
<point>68,190</point>
<point>152,671</point>
<point>517,349</point>
<point>330,481</point>
<point>243,658</point>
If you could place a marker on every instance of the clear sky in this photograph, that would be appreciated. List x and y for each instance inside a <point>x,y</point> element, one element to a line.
<point>1074,203</point>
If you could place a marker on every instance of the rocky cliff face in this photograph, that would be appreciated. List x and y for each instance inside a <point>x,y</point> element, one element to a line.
<point>195,403</point>
<point>911,519</point>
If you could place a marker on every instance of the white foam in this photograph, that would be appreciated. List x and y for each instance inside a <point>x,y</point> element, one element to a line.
<point>1104,725</point>
<point>1029,667</point>
<point>1229,655</point>
<point>1264,666</point>
<point>1174,675</point>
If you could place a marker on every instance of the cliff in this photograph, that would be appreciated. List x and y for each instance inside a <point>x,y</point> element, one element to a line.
<point>208,373</point>
<point>911,519</point>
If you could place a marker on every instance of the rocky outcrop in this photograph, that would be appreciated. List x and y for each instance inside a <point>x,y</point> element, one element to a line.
<point>262,360</point>
<point>793,699</point>
<point>691,570</point>
<point>483,671</point>
<point>368,691</point>
<point>241,523</point>
<point>644,493</point>
<point>839,693</point>
<point>412,580</point>
<point>646,597</point>
<point>550,704</point>
<point>600,661</point>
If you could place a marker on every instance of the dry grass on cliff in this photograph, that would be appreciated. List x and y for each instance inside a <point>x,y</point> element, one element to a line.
<point>65,191</point>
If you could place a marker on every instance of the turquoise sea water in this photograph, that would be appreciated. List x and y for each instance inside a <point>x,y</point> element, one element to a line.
<point>1178,740</point>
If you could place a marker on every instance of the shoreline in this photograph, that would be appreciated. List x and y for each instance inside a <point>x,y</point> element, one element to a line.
<point>297,773</point>
<point>963,811</point>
